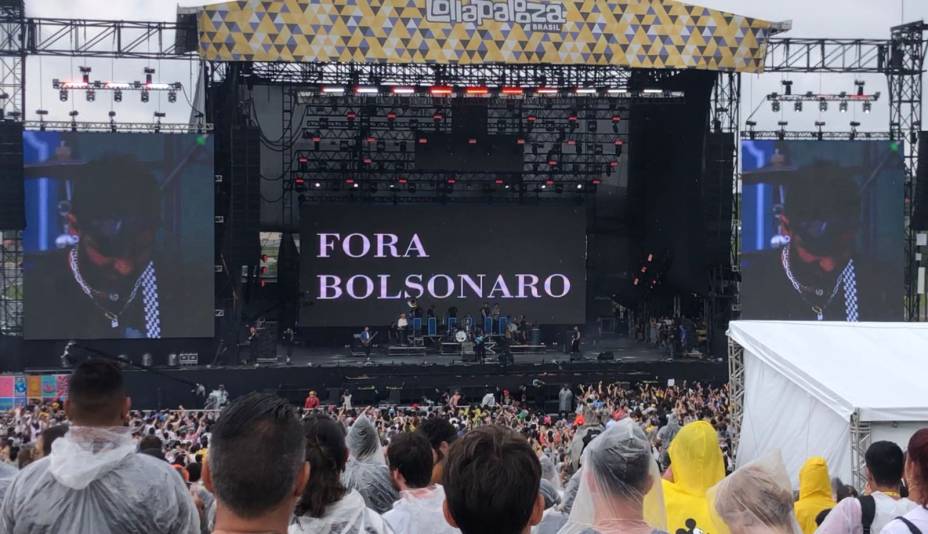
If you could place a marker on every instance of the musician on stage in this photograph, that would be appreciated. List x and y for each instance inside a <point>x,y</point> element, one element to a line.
<point>288,338</point>
<point>365,338</point>
<point>575,340</point>
<point>251,345</point>
<point>402,325</point>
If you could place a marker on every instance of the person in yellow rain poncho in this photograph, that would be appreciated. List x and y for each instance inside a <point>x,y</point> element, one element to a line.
<point>814,493</point>
<point>696,465</point>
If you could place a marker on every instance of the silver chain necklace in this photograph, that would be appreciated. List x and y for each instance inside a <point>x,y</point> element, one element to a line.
<point>818,310</point>
<point>89,291</point>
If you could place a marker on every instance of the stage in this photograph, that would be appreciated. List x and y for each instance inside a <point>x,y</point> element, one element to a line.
<point>417,379</point>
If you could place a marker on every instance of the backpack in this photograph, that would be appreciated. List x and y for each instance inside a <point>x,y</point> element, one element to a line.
<point>912,528</point>
<point>867,512</point>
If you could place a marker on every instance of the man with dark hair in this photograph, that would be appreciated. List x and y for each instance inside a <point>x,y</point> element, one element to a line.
<point>48,436</point>
<point>870,513</point>
<point>441,434</point>
<point>492,479</point>
<point>105,279</point>
<point>256,467</point>
<point>419,509</point>
<point>816,272</point>
<point>94,477</point>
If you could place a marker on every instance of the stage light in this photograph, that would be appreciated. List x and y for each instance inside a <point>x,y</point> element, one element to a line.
<point>511,91</point>
<point>299,183</point>
<point>797,105</point>
<point>585,91</point>
<point>438,117</point>
<point>63,95</point>
<point>91,95</point>
<point>775,106</point>
<point>144,97</point>
<point>617,92</point>
<point>653,91</point>
<point>781,133</point>
<point>112,115</point>
<point>822,105</point>
<point>819,125</point>
<point>366,90</point>
<point>787,87</point>
<point>595,181</point>
<point>860,87</point>
<point>117,95</point>
<point>317,185</point>
<point>172,96</point>
<point>403,90</point>
<point>751,133</point>
<point>441,90</point>
<point>546,91</point>
<point>476,91</point>
<point>303,163</point>
<point>842,106</point>
<point>867,107</point>
<point>579,185</point>
<point>85,74</point>
<point>333,90</point>
<point>73,114</point>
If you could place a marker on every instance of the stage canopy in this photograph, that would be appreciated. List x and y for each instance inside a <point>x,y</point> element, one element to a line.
<point>828,388</point>
<point>650,34</point>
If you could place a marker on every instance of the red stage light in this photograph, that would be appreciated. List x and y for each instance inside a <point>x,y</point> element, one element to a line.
<point>512,91</point>
<point>616,118</point>
<point>572,118</point>
<point>531,118</point>
<point>391,116</point>
<point>403,181</point>
<point>498,181</point>
<point>520,141</point>
<point>423,141</point>
<point>472,141</point>
<point>452,181</point>
<point>476,91</point>
<point>349,181</point>
<point>441,91</point>
<point>596,181</point>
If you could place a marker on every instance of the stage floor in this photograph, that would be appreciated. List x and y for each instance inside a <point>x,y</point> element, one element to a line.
<point>623,349</point>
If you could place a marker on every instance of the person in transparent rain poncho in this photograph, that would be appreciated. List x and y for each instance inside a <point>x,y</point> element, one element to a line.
<point>620,490</point>
<point>367,470</point>
<point>556,516</point>
<point>755,499</point>
<point>327,507</point>
<point>94,481</point>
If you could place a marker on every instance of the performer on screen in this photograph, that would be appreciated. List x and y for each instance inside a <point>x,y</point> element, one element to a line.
<point>104,280</point>
<point>816,273</point>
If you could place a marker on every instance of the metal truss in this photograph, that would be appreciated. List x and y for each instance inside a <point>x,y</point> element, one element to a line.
<point>736,390</point>
<point>862,56</point>
<point>141,127</point>
<point>818,135</point>
<point>417,74</point>
<point>12,57</point>
<point>107,38</point>
<point>11,283</point>
<point>906,67</point>
<point>860,434</point>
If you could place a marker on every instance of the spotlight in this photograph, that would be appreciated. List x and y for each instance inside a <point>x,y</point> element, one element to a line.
<point>144,97</point>
<point>787,87</point>
<point>751,133</point>
<point>860,87</point>
<point>819,125</point>
<point>854,126</point>
<point>867,107</point>
<point>172,96</point>
<point>85,74</point>
<point>148,73</point>
<point>822,104</point>
<point>73,114</point>
<point>781,133</point>
<point>797,105</point>
<point>842,106</point>
<point>112,115</point>
<point>63,95</point>
<point>117,95</point>
<point>91,95</point>
<point>775,106</point>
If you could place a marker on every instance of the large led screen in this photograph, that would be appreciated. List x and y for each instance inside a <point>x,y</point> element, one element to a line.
<point>364,265</point>
<point>822,233</point>
<point>119,237</point>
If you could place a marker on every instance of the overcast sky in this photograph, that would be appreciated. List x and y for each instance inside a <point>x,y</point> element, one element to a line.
<point>810,18</point>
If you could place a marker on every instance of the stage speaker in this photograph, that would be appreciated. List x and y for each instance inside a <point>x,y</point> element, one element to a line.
<point>12,186</point>
<point>172,360</point>
<point>608,356</point>
<point>920,213</point>
<point>146,359</point>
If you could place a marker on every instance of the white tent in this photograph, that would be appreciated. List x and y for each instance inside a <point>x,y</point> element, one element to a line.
<point>827,389</point>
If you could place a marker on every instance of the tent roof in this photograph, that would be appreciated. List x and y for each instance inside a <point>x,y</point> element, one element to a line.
<point>879,369</point>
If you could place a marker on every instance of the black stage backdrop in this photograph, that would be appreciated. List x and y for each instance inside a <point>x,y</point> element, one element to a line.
<point>361,263</point>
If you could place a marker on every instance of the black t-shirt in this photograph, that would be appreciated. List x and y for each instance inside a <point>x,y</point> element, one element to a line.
<point>57,307</point>
<point>768,294</point>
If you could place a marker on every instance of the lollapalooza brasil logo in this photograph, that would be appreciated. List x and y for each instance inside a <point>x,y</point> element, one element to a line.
<point>533,16</point>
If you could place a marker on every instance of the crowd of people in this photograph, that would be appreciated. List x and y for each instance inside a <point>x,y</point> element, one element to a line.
<point>613,459</point>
